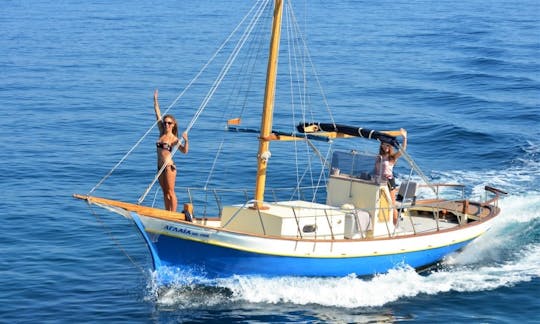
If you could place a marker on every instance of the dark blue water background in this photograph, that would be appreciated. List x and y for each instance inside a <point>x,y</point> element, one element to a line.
<point>76,90</point>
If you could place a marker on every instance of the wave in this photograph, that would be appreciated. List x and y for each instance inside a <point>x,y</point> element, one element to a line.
<point>519,178</point>
<point>509,254</point>
<point>354,292</point>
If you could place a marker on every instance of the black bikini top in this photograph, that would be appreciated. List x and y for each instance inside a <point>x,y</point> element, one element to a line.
<point>165,146</point>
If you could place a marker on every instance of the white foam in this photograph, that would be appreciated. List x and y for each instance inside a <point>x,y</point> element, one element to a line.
<point>353,292</point>
<point>521,178</point>
<point>505,256</point>
<point>502,257</point>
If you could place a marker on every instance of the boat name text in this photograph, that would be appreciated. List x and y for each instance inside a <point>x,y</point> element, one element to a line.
<point>185,231</point>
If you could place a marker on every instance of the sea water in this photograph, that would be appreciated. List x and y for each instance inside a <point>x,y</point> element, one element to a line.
<point>76,88</point>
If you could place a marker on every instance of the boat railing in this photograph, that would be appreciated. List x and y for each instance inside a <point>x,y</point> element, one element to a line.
<point>491,194</point>
<point>449,190</point>
<point>209,202</point>
<point>316,217</point>
<point>361,229</point>
<point>496,195</point>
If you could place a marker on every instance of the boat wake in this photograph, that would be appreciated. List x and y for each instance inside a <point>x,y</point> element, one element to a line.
<point>507,255</point>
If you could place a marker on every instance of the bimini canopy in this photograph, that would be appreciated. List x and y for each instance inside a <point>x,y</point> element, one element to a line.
<point>348,130</point>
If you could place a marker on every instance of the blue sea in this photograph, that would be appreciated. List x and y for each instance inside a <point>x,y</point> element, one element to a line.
<point>76,86</point>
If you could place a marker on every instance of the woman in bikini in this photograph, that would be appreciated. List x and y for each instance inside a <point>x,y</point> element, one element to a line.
<point>385,167</point>
<point>168,139</point>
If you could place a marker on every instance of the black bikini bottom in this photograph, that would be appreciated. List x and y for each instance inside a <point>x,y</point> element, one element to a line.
<point>172,167</point>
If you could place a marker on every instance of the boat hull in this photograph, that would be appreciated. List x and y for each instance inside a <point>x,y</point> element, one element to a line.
<point>218,253</point>
<point>216,261</point>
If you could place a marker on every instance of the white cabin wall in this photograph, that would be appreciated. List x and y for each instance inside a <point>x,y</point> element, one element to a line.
<point>287,219</point>
<point>362,194</point>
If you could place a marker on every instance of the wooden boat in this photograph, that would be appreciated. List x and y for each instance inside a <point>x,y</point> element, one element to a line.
<point>349,231</point>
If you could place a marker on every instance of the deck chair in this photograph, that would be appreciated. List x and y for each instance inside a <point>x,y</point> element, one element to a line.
<point>406,196</point>
<point>407,193</point>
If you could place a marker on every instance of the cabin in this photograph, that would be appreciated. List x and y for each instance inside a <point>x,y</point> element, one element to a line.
<point>354,182</point>
<point>358,205</point>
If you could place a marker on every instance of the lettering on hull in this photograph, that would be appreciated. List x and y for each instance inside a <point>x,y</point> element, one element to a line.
<point>186,231</point>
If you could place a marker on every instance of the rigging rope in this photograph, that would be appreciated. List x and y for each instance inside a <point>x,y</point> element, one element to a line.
<point>414,166</point>
<point>214,164</point>
<point>231,59</point>
<point>227,40</point>
<point>297,43</point>
<point>300,50</point>
<point>228,64</point>
<point>212,58</point>
<point>314,71</point>
<point>114,239</point>
<point>119,163</point>
<point>291,86</point>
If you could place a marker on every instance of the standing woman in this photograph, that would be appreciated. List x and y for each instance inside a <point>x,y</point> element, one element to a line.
<point>168,139</point>
<point>385,167</point>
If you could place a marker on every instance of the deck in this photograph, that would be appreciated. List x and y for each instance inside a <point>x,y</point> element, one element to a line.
<point>423,217</point>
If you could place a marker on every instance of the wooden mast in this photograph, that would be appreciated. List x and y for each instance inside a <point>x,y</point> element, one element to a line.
<point>268,106</point>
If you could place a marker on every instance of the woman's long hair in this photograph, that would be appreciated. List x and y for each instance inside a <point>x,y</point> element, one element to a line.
<point>391,153</point>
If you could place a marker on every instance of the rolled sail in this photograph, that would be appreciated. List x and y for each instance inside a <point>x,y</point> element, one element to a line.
<point>348,130</point>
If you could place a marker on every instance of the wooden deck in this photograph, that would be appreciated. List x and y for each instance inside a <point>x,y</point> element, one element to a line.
<point>429,216</point>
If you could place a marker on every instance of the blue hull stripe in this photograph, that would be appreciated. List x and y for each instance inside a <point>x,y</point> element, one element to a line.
<point>217,261</point>
<point>156,260</point>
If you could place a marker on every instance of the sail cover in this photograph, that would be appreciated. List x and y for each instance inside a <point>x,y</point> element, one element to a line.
<point>348,130</point>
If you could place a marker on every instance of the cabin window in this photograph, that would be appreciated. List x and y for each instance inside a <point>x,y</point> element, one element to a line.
<point>354,164</point>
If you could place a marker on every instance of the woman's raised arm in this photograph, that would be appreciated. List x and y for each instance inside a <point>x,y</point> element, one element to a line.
<point>158,112</point>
